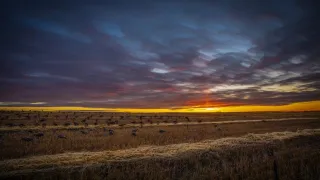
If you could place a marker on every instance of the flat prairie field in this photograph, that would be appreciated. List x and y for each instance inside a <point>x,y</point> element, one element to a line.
<point>107,145</point>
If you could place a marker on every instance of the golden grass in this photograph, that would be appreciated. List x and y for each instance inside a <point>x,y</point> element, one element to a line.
<point>222,146</point>
<point>81,158</point>
<point>98,140</point>
<point>149,153</point>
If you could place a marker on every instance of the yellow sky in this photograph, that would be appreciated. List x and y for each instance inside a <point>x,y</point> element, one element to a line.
<point>302,106</point>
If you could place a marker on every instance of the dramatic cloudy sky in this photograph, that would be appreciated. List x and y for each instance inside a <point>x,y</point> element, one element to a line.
<point>159,54</point>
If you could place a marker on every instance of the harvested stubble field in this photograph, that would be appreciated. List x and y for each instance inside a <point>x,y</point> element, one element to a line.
<point>180,148</point>
<point>59,118</point>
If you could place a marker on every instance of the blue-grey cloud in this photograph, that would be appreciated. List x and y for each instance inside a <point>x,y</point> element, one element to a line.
<point>159,53</point>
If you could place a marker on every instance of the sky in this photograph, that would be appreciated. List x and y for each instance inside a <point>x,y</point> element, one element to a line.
<point>160,54</point>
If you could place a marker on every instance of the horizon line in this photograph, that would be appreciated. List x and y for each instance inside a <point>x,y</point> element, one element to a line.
<point>293,107</point>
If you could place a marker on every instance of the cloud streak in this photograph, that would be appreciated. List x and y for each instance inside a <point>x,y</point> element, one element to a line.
<point>160,54</point>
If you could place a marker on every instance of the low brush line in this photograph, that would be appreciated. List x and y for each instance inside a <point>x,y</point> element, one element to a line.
<point>155,124</point>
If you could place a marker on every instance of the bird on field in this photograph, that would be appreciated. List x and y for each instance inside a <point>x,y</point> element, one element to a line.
<point>134,130</point>
<point>62,136</point>
<point>42,120</point>
<point>84,132</point>
<point>27,139</point>
<point>162,131</point>
<point>38,135</point>
<point>111,132</point>
<point>187,118</point>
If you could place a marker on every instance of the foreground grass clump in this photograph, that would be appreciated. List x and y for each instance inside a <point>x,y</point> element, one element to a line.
<point>296,154</point>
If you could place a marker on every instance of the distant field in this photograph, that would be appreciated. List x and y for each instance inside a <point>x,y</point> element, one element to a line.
<point>28,135</point>
<point>56,118</point>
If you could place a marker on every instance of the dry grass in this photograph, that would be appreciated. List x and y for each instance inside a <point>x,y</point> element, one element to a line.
<point>222,146</point>
<point>30,118</point>
<point>97,139</point>
<point>246,157</point>
<point>117,126</point>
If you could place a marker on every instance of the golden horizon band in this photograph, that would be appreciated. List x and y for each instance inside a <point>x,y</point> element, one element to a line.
<point>300,106</point>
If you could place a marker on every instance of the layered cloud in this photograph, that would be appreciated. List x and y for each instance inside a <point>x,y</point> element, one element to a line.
<point>159,54</point>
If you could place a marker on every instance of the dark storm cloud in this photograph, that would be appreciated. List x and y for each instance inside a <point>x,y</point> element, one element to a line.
<point>159,53</point>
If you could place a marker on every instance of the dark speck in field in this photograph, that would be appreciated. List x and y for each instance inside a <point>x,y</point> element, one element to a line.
<point>111,132</point>
<point>62,136</point>
<point>84,132</point>
<point>162,131</point>
<point>27,139</point>
<point>40,134</point>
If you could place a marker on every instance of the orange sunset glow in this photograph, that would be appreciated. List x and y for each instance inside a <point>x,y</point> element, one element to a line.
<point>302,106</point>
